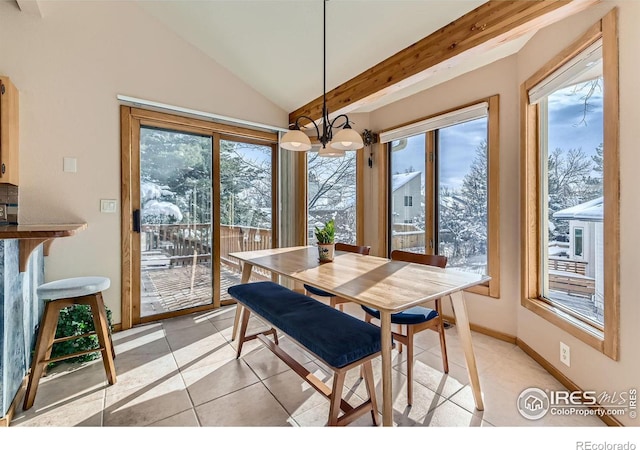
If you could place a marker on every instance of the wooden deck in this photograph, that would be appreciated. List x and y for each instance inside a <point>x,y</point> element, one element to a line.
<point>168,287</point>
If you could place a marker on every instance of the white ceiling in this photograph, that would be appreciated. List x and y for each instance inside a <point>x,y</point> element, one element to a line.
<point>275,46</point>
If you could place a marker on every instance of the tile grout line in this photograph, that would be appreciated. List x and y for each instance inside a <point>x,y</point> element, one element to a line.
<point>186,388</point>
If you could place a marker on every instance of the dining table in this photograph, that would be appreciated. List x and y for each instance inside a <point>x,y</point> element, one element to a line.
<point>384,284</point>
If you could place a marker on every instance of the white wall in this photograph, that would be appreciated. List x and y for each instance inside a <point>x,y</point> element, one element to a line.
<point>497,78</point>
<point>590,369</point>
<point>69,66</point>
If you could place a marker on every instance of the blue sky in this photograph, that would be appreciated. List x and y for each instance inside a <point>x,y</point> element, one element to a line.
<point>569,128</point>
<point>458,145</point>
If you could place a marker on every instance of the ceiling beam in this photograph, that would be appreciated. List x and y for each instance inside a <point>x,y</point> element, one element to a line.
<point>30,7</point>
<point>484,28</point>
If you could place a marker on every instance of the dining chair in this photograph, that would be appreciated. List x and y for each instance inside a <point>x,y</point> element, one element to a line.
<point>333,299</point>
<point>416,319</point>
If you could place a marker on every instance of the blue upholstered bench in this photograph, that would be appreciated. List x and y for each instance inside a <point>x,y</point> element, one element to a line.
<point>339,340</point>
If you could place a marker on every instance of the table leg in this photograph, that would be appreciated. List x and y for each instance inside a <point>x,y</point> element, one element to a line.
<point>246,275</point>
<point>462,323</point>
<point>385,337</point>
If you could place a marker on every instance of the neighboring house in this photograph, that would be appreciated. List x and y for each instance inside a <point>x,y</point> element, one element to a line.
<point>407,196</point>
<point>586,240</point>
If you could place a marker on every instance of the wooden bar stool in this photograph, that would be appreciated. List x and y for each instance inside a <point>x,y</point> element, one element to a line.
<point>58,295</point>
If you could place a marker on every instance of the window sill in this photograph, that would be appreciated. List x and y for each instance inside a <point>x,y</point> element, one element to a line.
<point>488,290</point>
<point>575,327</point>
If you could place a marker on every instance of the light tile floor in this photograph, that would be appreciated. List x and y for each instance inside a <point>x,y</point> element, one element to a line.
<point>183,372</point>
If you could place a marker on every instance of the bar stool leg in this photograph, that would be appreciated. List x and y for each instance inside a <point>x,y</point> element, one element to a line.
<point>101,303</point>
<point>44,344</point>
<point>102,331</point>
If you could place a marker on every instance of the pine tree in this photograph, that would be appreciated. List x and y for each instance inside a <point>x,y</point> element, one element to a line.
<point>474,192</point>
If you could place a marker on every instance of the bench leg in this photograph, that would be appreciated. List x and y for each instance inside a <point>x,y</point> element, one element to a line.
<point>236,321</point>
<point>336,397</point>
<point>371,391</point>
<point>243,328</point>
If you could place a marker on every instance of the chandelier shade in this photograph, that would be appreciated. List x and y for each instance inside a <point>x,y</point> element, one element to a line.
<point>345,138</point>
<point>295,140</point>
<point>330,152</point>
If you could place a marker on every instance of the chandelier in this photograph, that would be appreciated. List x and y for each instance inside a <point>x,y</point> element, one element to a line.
<point>344,139</point>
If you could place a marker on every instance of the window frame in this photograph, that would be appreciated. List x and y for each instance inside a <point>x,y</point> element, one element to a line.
<point>492,287</point>
<point>606,340</point>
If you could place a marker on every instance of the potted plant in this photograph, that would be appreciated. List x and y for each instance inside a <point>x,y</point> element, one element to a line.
<point>325,237</point>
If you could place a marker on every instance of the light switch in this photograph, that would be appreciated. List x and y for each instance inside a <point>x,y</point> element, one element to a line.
<point>108,206</point>
<point>70,164</point>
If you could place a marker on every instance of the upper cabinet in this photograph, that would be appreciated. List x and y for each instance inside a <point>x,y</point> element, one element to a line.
<point>8,132</point>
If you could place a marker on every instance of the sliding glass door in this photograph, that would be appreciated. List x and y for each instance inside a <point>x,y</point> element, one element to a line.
<point>246,206</point>
<point>175,221</point>
<point>193,192</point>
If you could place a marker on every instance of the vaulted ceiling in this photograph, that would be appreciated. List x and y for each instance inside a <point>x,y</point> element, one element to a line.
<point>276,46</point>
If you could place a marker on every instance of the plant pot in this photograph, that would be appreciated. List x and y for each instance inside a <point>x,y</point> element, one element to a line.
<point>326,252</point>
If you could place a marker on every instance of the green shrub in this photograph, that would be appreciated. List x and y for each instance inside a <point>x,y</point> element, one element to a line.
<point>76,320</point>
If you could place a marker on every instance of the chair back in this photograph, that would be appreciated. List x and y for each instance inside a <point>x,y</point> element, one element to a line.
<point>419,258</point>
<point>362,249</point>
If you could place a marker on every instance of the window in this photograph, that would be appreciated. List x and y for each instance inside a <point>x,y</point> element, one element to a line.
<point>448,164</point>
<point>577,243</point>
<point>462,213</point>
<point>408,200</point>
<point>331,194</point>
<point>570,176</point>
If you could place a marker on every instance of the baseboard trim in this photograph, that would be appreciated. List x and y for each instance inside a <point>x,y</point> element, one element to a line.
<point>6,420</point>
<point>484,330</point>
<point>546,365</point>
<point>563,379</point>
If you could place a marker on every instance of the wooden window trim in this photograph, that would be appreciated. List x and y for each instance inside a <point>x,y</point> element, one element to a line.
<point>360,162</point>
<point>492,288</point>
<point>607,340</point>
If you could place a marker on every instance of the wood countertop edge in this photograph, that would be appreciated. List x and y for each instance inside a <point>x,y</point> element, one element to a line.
<point>40,231</point>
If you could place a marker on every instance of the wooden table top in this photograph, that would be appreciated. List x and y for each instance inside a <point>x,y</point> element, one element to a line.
<point>369,280</point>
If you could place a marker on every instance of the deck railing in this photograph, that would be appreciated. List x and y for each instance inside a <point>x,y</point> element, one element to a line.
<point>240,239</point>
<point>568,265</point>
<point>180,241</point>
<point>569,275</point>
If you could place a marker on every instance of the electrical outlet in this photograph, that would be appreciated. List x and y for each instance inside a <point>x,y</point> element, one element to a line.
<point>565,354</point>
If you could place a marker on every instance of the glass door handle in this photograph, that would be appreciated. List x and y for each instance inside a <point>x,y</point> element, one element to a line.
<point>137,225</point>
